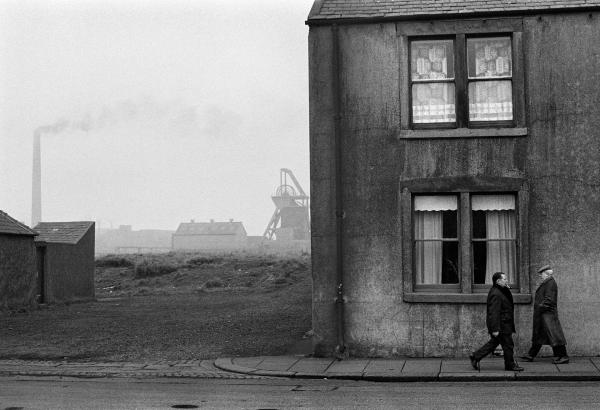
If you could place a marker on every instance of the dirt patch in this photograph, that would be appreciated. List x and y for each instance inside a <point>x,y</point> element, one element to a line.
<point>181,273</point>
<point>210,306</point>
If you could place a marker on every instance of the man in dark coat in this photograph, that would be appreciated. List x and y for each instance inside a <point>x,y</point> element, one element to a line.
<point>546,326</point>
<point>500,322</point>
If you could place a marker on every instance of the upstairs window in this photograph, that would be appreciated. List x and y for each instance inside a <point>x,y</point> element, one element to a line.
<point>461,82</point>
<point>433,88</point>
<point>490,79</point>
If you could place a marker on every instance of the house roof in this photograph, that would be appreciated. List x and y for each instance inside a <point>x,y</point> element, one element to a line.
<point>210,228</point>
<point>62,232</point>
<point>324,11</point>
<point>11,226</point>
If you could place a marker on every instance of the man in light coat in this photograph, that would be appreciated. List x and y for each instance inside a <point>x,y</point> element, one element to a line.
<point>546,326</point>
<point>500,321</point>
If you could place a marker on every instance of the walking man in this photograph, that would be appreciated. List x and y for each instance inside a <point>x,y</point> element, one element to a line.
<point>500,321</point>
<point>546,326</point>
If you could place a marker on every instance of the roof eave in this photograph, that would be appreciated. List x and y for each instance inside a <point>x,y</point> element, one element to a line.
<point>439,16</point>
<point>19,234</point>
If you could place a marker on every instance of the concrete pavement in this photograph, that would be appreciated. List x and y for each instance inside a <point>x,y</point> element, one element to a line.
<point>299,366</point>
<point>411,369</point>
<point>138,370</point>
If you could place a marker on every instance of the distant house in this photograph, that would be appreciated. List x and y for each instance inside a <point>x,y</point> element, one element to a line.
<point>65,253</point>
<point>17,263</point>
<point>210,235</point>
<point>126,240</point>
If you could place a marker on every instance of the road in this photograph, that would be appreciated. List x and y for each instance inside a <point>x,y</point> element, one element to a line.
<point>54,393</point>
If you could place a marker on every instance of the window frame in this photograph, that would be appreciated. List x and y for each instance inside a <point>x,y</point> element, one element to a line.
<point>440,287</point>
<point>464,188</point>
<point>465,113</point>
<point>459,31</point>
<point>453,81</point>
<point>482,287</point>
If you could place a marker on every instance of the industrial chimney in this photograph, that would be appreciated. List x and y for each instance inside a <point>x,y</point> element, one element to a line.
<point>36,182</point>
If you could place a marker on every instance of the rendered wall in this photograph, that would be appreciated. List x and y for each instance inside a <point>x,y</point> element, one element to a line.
<point>17,271</point>
<point>559,159</point>
<point>563,56</point>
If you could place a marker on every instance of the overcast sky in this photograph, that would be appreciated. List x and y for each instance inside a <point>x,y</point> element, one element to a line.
<point>177,110</point>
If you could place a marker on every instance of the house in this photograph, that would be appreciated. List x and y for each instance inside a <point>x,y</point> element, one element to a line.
<point>66,261</point>
<point>209,235</point>
<point>17,264</point>
<point>126,240</point>
<point>450,140</point>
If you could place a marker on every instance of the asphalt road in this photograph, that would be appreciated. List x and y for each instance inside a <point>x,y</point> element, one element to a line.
<point>49,393</point>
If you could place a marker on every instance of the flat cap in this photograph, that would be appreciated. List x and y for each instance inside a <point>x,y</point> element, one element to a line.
<point>543,268</point>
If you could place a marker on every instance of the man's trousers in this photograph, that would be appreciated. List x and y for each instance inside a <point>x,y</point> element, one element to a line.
<point>503,339</point>
<point>558,351</point>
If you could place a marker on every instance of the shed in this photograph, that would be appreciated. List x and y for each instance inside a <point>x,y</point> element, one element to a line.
<point>17,263</point>
<point>449,140</point>
<point>210,235</point>
<point>65,252</point>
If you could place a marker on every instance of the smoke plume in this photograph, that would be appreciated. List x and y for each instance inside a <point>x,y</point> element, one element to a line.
<point>208,120</point>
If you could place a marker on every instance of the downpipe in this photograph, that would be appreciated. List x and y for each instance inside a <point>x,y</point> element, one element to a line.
<point>341,350</point>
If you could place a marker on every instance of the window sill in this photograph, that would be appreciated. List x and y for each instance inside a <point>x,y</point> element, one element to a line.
<point>418,297</point>
<point>463,133</point>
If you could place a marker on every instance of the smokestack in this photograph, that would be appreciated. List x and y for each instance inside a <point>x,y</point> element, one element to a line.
<point>36,182</point>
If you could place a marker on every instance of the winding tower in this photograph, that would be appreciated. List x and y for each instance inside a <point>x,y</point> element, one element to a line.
<point>291,219</point>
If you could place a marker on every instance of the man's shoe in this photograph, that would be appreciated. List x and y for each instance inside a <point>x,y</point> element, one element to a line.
<point>561,360</point>
<point>515,368</point>
<point>474,362</point>
<point>527,358</point>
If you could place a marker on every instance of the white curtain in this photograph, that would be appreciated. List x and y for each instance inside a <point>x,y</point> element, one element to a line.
<point>500,254</point>
<point>436,203</point>
<point>499,202</point>
<point>428,254</point>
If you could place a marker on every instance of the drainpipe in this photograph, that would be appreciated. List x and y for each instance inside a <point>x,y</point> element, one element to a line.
<point>340,349</point>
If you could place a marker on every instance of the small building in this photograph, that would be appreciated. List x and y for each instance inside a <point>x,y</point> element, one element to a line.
<point>127,240</point>
<point>65,252</point>
<point>210,235</point>
<point>17,263</point>
<point>450,140</point>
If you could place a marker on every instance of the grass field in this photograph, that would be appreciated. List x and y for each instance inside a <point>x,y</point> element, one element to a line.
<point>172,307</point>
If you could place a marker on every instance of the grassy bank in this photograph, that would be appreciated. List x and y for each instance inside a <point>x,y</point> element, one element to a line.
<point>171,307</point>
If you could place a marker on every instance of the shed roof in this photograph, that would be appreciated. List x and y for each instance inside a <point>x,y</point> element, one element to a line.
<point>62,232</point>
<point>329,10</point>
<point>9,225</point>
<point>211,228</point>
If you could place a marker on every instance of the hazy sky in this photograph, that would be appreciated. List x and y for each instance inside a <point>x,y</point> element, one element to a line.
<point>178,110</point>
